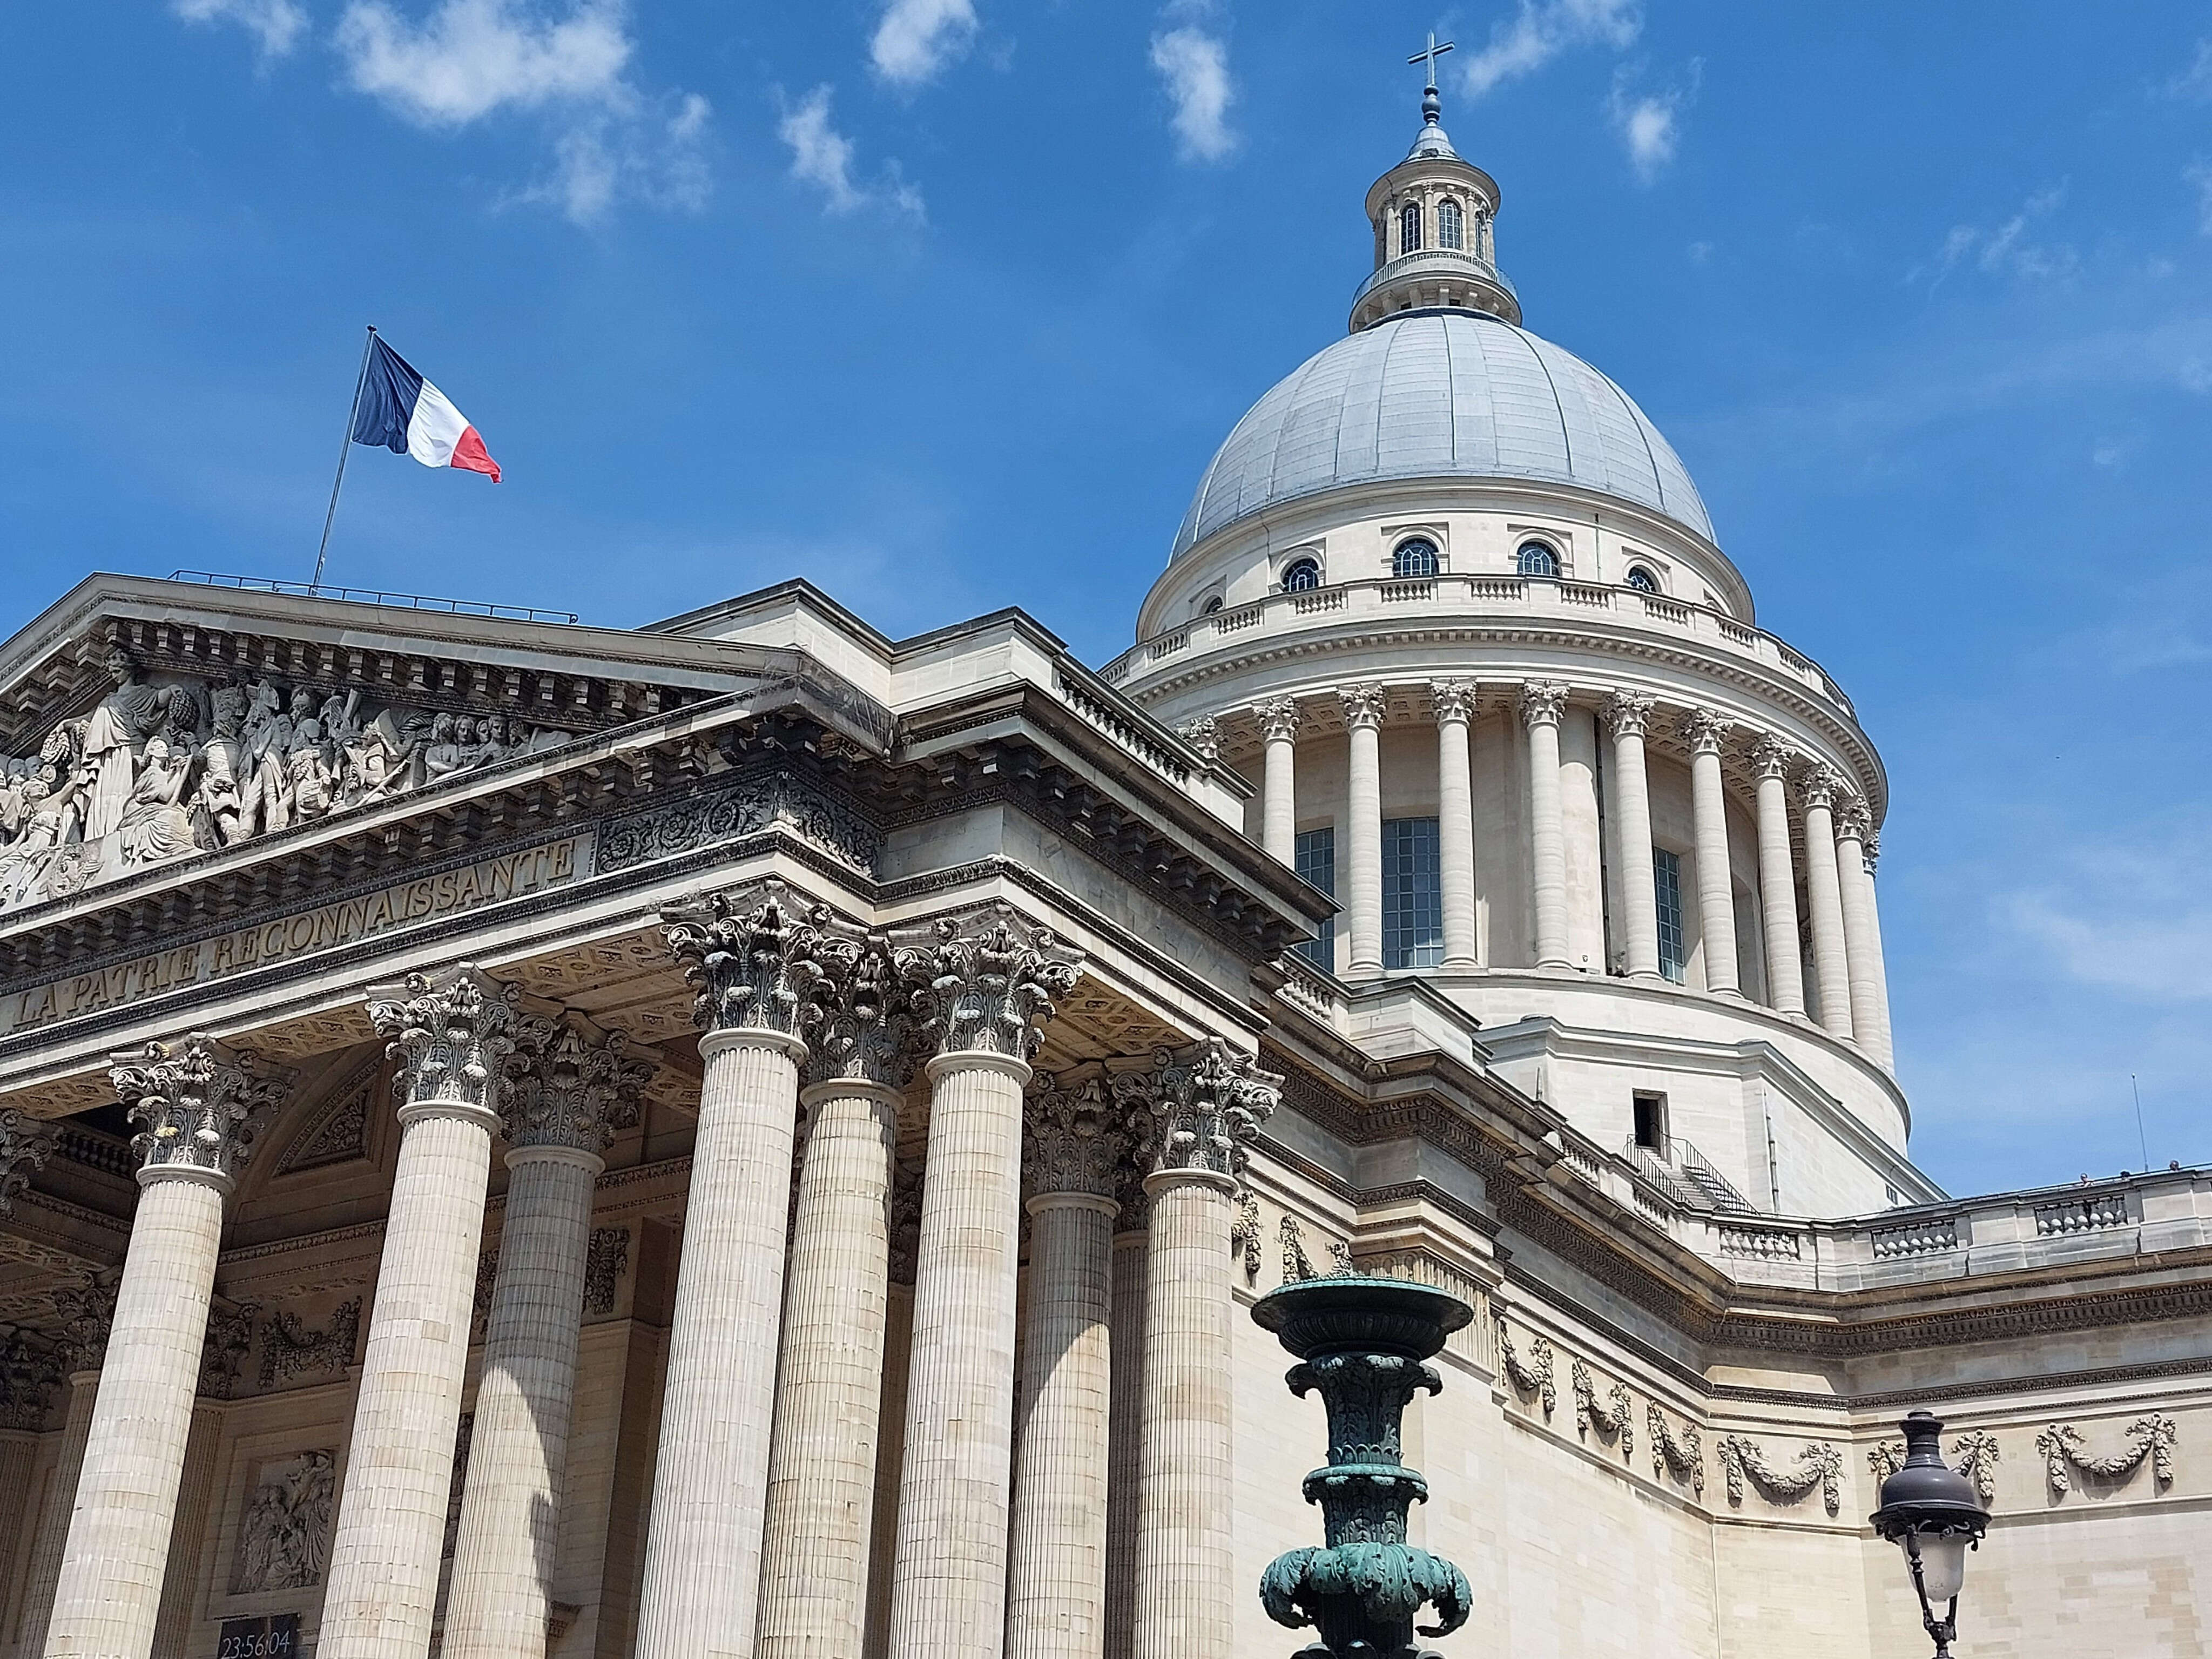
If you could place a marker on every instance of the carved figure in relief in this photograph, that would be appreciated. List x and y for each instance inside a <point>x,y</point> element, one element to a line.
<point>113,740</point>
<point>226,796</point>
<point>155,826</point>
<point>285,1536</point>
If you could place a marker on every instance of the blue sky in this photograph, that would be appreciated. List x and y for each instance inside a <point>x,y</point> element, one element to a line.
<point>945,303</point>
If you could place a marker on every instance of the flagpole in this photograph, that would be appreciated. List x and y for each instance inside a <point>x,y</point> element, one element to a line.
<point>345,450</point>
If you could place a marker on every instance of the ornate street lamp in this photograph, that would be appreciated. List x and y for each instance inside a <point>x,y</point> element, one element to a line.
<point>1364,1344</point>
<point>1930,1512</point>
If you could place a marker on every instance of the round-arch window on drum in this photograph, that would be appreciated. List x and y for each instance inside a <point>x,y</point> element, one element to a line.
<point>1409,227</point>
<point>1413,558</point>
<point>1642,579</point>
<point>1301,575</point>
<point>1535,559</point>
<point>1450,233</point>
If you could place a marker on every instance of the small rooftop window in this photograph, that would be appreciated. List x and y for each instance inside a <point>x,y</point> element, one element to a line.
<point>1413,559</point>
<point>1535,559</point>
<point>1302,575</point>
<point>1449,223</point>
<point>1642,579</point>
<point>1409,227</point>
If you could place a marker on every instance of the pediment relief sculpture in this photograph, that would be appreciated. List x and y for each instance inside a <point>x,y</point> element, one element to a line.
<point>167,767</point>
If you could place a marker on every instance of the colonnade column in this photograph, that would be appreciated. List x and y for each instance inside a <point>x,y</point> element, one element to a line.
<point>1278,796</point>
<point>1454,703</point>
<point>199,1106</point>
<point>1075,1143</point>
<point>1363,707</point>
<point>1126,1419</point>
<point>829,1381</point>
<point>453,1033</point>
<point>1543,704</point>
<point>1818,787</point>
<point>756,963</point>
<point>1626,716</point>
<point>991,983</point>
<point>574,1087</point>
<point>1777,882</point>
<point>1206,1103</point>
<point>1861,931</point>
<point>1707,731</point>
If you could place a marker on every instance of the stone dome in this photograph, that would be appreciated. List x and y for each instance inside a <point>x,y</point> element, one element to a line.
<point>1440,394</point>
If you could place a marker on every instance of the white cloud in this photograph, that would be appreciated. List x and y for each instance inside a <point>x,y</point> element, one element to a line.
<point>1193,66</point>
<point>2195,81</point>
<point>916,39</point>
<point>1541,30</point>
<point>822,156</point>
<point>469,60</point>
<point>2198,175</point>
<point>2010,250</point>
<point>1649,123</point>
<point>275,24</point>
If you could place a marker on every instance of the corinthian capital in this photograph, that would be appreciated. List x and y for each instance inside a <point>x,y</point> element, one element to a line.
<point>1077,1138</point>
<point>1771,757</point>
<point>1278,718</point>
<point>86,1310</point>
<point>1820,784</point>
<point>573,1086</point>
<point>1203,735</point>
<point>1854,817</point>
<point>870,1032</point>
<point>1208,1102</point>
<point>754,959</point>
<point>988,982</point>
<point>1453,699</point>
<point>197,1104</point>
<point>452,1032</point>
<point>1705,731</point>
<point>25,1144</point>
<point>1363,705</point>
<point>1628,714</point>
<point>1542,703</point>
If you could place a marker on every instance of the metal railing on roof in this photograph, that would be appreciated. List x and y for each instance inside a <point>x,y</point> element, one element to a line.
<point>529,613</point>
<point>1443,261</point>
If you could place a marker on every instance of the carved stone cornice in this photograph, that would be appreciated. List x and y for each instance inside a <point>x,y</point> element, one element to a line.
<point>1628,714</point>
<point>753,958</point>
<point>1278,718</point>
<point>1543,702</point>
<point>1706,733</point>
<point>1454,700</point>
<point>452,1032</point>
<point>573,1088</point>
<point>987,982</point>
<point>869,1031</point>
<point>1077,1138</point>
<point>24,1146</point>
<point>1202,734</point>
<point>1208,1102</point>
<point>199,1105</point>
<point>1365,706</point>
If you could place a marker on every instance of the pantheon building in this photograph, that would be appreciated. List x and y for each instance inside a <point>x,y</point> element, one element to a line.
<point>745,1138</point>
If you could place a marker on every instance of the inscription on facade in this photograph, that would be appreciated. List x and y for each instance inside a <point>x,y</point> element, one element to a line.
<point>330,926</point>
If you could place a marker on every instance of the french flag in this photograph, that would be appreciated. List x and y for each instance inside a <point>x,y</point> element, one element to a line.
<point>401,412</point>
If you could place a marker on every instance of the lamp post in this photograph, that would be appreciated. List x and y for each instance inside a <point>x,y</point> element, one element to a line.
<point>1930,1512</point>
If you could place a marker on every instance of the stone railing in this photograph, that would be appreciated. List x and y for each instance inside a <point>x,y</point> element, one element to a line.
<point>1573,602</point>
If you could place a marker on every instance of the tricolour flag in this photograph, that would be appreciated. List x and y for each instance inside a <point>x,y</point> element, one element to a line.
<point>401,412</point>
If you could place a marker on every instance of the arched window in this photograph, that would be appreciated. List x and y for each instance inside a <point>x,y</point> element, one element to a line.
<point>1413,558</point>
<point>1302,576</point>
<point>1535,559</point>
<point>1409,227</point>
<point>1642,579</point>
<point>1448,234</point>
<point>1213,604</point>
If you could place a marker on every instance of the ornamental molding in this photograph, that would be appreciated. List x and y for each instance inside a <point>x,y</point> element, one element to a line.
<point>451,1033</point>
<point>223,1350</point>
<point>1627,713</point>
<point>2150,1438</point>
<point>1277,719</point>
<point>1854,819</point>
<point>86,1313</point>
<point>198,1104</point>
<point>26,1143</point>
<point>1819,1464</point>
<point>1454,700</point>
<point>987,982</point>
<point>31,1370</point>
<point>1609,1415</point>
<point>290,1349</point>
<point>746,806</point>
<point>1977,1452</point>
<point>905,1231</point>
<point>1297,1266</point>
<point>1535,1379</point>
<point>1203,735</point>
<point>1365,706</point>
<point>869,1031</point>
<point>1207,1102</point>
<point>338,1134</point>
<point>1705,731</point>
<point>1543,702</point>
<point>1244,1234</point>
<point>1771,757</point>
<point>1682,1456</point>
<point>572,1086</point>
<point>1078,1137</point>
<point>606,1260</point>
<point>753,958</point>
<point>1819,785</point>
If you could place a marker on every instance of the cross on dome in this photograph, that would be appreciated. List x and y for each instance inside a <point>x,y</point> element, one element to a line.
<point>1432,107</point>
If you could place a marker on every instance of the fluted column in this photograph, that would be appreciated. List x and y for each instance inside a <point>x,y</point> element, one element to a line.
<point>1861,931</point>
<point>756,964</point>
<point>198,1106</point>
<point>1454,704</point>
<point>574,1088</point>
<point>1279,797</point>
<point>1543,704</point>
<point>1363,707</point>
<point>453,1033</point>
<point>42,1573</point>
<point>991,983</point>
<point>1207,1102</point>
<point>1819,786</point>
<point>1707,732</point>
<point>830,1383</point>
<point>1627,714</point>
<point>198,1507</point>
<point>1126,1420</point>
<point>1076,1139</point>
<point>1777,882</point>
